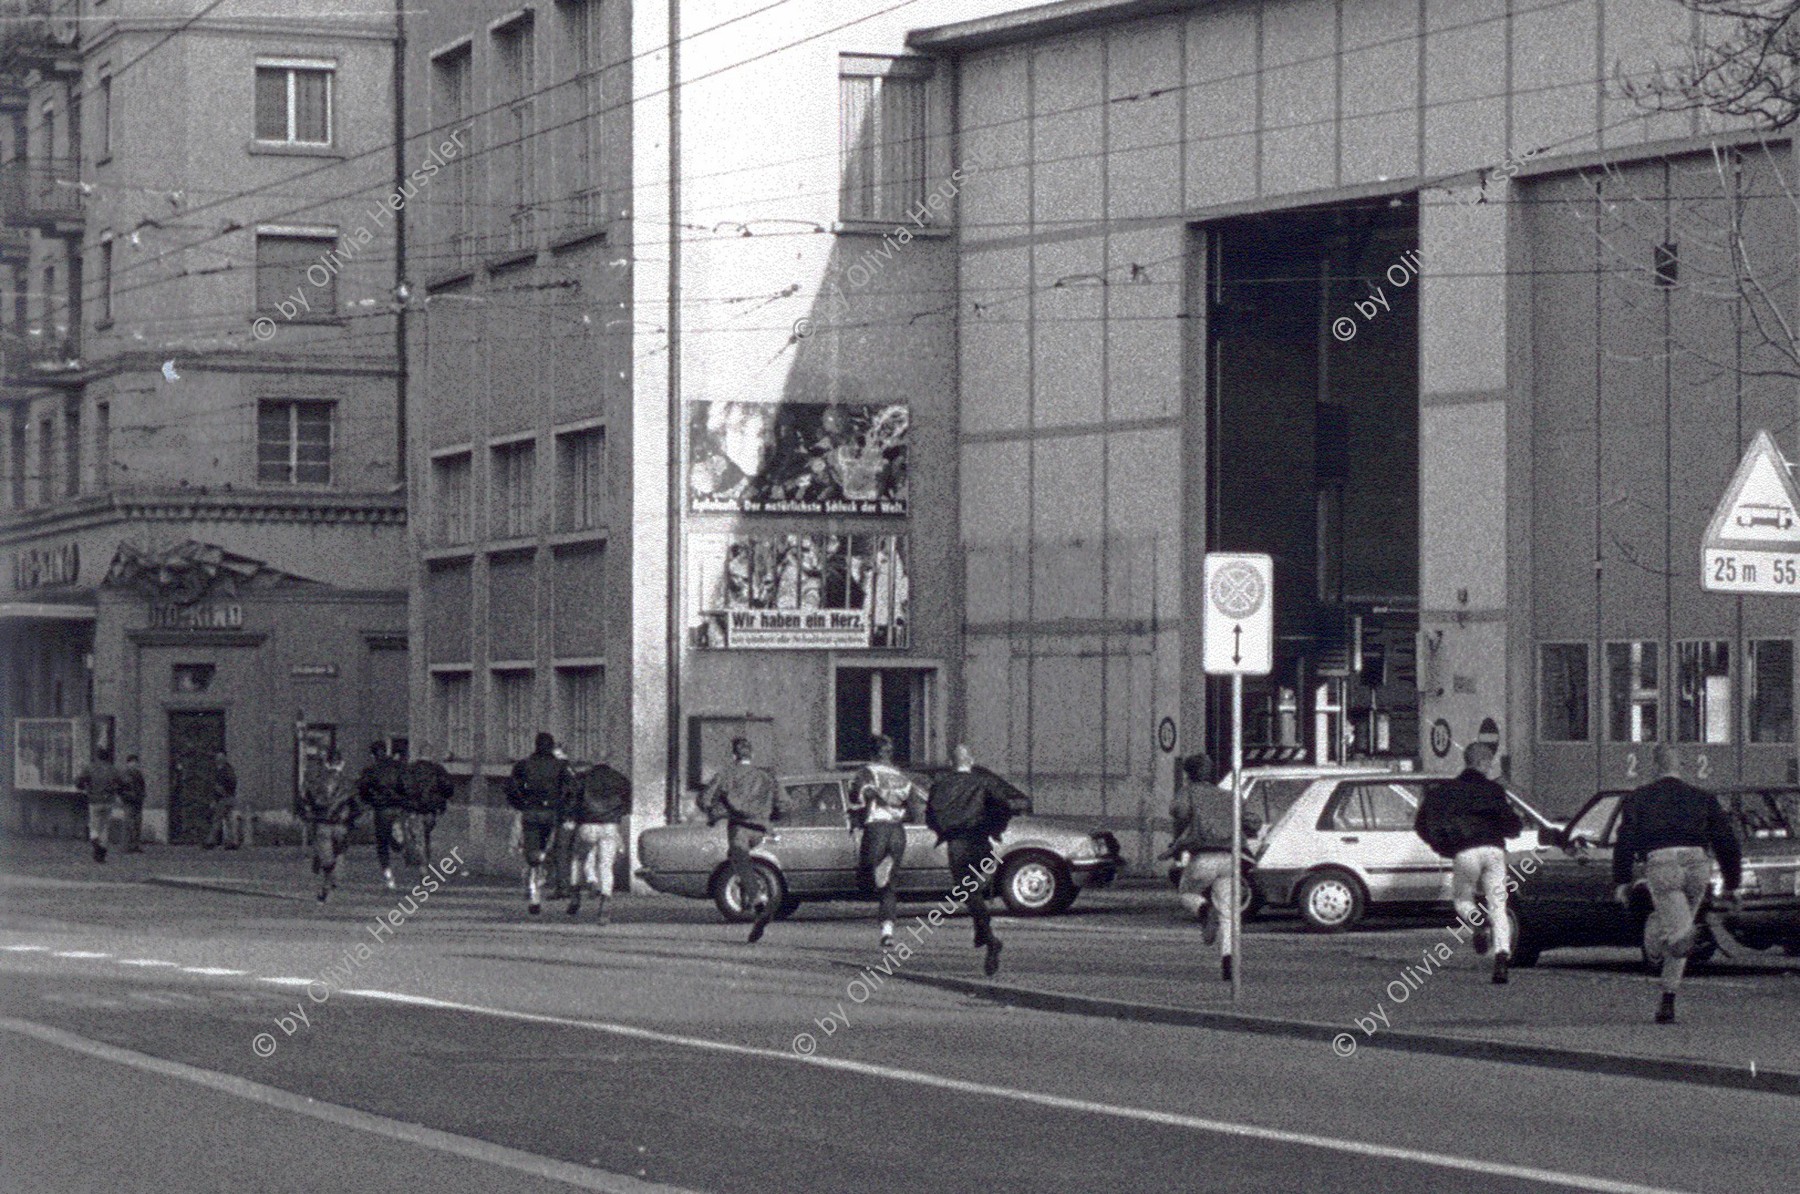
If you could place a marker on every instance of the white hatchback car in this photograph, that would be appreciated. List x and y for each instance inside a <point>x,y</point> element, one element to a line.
<point>1346,846</point>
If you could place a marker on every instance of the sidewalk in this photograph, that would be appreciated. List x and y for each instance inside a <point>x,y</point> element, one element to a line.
<point>269,870</point>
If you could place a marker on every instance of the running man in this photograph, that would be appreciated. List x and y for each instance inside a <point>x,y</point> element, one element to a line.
<point>598,802</point>
<point>1201,813</point>
<point>747,798</point>
<point>880,796</point>
<point>968,811</point>
<point>537,789</point>
<point>1468,821</point>
<point>329,806</point>
<point>382,789</point>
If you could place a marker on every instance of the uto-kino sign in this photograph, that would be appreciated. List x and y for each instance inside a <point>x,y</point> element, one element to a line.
<point>1753,542</point>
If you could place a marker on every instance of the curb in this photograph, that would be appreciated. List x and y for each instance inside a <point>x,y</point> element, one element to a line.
<point>1695,1073</point>
<point>225,886</point>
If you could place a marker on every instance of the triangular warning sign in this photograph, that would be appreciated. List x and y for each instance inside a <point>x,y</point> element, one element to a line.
<point>1761,505</point>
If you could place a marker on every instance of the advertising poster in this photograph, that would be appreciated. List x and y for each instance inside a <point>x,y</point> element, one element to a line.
<point>799,592</point>
<point>796,458</point>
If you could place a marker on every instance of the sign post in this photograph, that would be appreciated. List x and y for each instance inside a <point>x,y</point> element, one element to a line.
<point>1237,636</point>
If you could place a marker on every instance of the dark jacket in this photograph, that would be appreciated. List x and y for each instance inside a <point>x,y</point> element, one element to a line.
<point>224,784</point>
<point>329,800</point>
<point>382,783</point>
<point>428,787</point>
<point>743,794</point>
<point>601,797</point>
<point>539,786</point>
<point>101,781</point>
<point>1202,817</point>
<point>133,790</point>
<point>1471,810</point>
<point>973,804</point>
<point>1668,812</point>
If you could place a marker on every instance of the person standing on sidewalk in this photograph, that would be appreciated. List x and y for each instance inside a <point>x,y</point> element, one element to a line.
<point>598,802</point>
<point>382,789</point>
<point>1201,813</point>
<point>880,795</point>
<point>328,805</point>
<point>1678,830</point>
<point>538,789</point>
<point>747,798</point>
<point>968,810</point>
<point>1468,820</point>
<point>227,830</point>
<point>133,793</point>
<point>428,791</point>
<point>104,787</point>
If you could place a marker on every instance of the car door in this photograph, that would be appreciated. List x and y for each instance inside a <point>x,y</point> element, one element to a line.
<point>1360,828</point>
<point>1567,896</point>
<point>1414,871</point>
<point>812,840</point>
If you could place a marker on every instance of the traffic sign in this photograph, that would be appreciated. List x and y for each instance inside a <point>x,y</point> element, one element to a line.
<point>1753,542</point>
<point>1237,629</point>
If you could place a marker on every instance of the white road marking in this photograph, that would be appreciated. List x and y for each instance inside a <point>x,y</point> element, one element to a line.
<point>78,953</point>
<point>462,1146</point>
<point>209,970</point>
<point>26,949</point>
<point>1060,1102</point>
<point>286,981</point>
<point>144,962</point>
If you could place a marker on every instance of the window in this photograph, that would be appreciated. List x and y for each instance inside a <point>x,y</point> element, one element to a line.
<point>102,446</point>
<point>1563,692</point>
<point>450,496</point>
<point>581,479</point>
<point>104,317</point>
<point>47,305</point>
<point>513,733</point>
<point>514,50</point>
<point>580,707</point>
<point>18,458</point>
<point>586,107</point>
<point>286,264</point>
<point>1633,692</point>
<point>71,445</point>
<point>1703,692</point>
<point>293,102</point>
<point>46,461</point>
<point>450,108</point>
<point>293,443</point>
<point>882,135</point>
<point>512,512</point>
<point>1372,807</point>
<point>103,116</point>
<point>898,702</point>
<point>1769,679</point>
<point>451,692</point>
<point>1597,823</point>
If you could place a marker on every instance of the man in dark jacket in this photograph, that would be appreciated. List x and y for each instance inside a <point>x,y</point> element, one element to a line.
<point>1672,826</point>
<point>132,794</point>
<point>747,798</point>
<point>328,805</point>
<point>382,789</point>
<point>538,788</point>
<point>598,802</point>
<point>428,791</point>
<point>1201,813</point>
<point>227,829</point>
<point>1468,820</point>
<point>969,810</point>
<point>101,781</point>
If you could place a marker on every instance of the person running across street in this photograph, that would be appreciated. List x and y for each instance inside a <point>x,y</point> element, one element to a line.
<point>747,798</point>
<point>227,830</point>
<point>538,789</point>
<point>428,791</point>
<point>132,794</point>
<point>382,789</point>
<point>104,787</point>
<point>328,805</point>
<point>598,802</point>
<point>880,796</point>
<point>1468,820</point>
<point>968,810</point>
<point>1678,830</point>
<point>1201,813</point>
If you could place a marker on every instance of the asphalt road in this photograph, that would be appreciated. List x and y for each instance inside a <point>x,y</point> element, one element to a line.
<point>474,1048</point>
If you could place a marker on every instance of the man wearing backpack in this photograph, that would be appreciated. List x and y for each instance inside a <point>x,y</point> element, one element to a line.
<point>538,789</point>
<point>969,810</point>
<point>1468,820</point>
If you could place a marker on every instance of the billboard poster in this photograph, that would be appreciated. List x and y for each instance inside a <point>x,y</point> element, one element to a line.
<point>797,458</point>
<point>799,592</point>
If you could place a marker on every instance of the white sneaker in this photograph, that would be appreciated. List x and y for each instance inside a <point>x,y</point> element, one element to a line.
<point>387,876</point>
<point>887,934</point>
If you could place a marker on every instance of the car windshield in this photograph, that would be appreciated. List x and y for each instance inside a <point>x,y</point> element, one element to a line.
<point>1595,824</point>
<point>1764,815</point>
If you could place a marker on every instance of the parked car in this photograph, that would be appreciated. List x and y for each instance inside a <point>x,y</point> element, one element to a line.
<point>810,853</point>
<point>1346,847</point>
<point>1568,901</point>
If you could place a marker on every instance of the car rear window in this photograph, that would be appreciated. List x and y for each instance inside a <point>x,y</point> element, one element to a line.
<point>1763,815</point>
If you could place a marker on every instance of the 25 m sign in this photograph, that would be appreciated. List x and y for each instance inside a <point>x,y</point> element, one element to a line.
<point>1729,571</point>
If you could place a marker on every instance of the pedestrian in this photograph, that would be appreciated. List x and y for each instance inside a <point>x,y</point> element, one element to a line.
<point>747,798</point>
<point>880,796</point>
<point>538,789</point>
<point>562,841</point>
<point>328,805</point>
<point>968,810</point>
<point>1201,812</point>
<point>227,828</point>
<point>382,790</point>
<point>102,783</point>
<point>1468,820</point>
<point>1679,831</point>
<point>598,802</point>
<point>132,794</point>
<point>428,791</point>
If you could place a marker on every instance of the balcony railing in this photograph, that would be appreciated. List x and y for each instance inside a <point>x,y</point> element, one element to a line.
<point>40,191</point>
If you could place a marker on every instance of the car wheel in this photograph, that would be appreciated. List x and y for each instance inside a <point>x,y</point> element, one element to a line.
<point>1330,901</point>
<point>1250,899</point>
<point>1525,951</point>
<point>1035,885</point>
<point>728,896</point>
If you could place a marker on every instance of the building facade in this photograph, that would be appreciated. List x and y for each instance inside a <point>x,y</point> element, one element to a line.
<point>204,523</point>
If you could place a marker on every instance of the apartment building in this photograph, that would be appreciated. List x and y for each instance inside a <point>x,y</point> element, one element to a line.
<point>204,517</point>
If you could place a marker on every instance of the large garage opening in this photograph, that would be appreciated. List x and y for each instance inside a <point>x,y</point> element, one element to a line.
<point>1312,385</point>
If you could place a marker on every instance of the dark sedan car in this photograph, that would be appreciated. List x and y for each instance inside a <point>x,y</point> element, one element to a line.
<point>1567,900</point>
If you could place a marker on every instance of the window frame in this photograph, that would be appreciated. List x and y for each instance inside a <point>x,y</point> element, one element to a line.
<point>103,318</point>
<point>442,678</point>
<point>103,115</point>
<point>588,742</point>
<point>1730,675</point>
<point>1587,659</point>
<point>1750,687</point>
<point>443,529</point>
<point>324,299</point>
<point>514,742</point>
<point>502,503</point>
<point>863,204</point>
<point>291,68</point>
<point>294,406</point>
<point>1655,733</point>
<point>593,481</point>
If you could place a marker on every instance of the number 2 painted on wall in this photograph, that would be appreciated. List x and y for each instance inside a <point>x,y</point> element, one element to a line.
<point>1702,766</point>
<point>1631,765</point>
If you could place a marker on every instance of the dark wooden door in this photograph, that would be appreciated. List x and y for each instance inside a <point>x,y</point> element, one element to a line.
<point>195,739</point>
